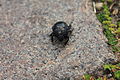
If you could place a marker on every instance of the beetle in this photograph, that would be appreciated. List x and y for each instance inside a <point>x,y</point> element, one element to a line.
<point>61,31</point>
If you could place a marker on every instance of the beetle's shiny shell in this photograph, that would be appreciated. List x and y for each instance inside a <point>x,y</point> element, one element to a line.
<point>60,30</point>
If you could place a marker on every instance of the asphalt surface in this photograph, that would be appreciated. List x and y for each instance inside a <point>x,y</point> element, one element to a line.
<point>26,51</point>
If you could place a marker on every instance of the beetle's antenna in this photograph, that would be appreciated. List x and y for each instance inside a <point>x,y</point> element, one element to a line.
<point>71,23</point>
<point>72,20</point>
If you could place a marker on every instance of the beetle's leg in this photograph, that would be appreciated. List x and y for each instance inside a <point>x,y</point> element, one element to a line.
<point>51,36</point>
<point>70,31</point>
<point>70,27</point>
<point>67,39</point>
<point>70,24</point>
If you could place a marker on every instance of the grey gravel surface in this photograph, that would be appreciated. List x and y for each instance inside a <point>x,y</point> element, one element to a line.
<point>26,51</point>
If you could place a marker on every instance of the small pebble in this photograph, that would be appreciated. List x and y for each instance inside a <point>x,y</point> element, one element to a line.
<point>98,6</point>
<point>22,41</point>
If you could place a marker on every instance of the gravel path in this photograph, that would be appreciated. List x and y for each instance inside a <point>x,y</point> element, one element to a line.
<point>26,52</point>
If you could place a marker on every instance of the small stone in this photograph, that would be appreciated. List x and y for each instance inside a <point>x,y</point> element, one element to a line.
<point>115,11</point>
<point>22,41</point>
<point>98,5</point>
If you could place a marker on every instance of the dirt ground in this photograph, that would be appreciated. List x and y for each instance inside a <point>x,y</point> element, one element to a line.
<point>26,51</point>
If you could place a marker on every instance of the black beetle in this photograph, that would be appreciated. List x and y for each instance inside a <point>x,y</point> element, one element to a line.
<point>61,31</point>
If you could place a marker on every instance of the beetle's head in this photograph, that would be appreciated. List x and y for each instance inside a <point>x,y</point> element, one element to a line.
<point>60,37</point>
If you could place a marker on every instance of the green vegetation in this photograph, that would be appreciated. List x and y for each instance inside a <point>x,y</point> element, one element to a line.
<point>111,29</point>
<point>111,37</point>
<point>113,69</point>
<point>117,74</point>
<point>106,20</point>
<point>87,77</point>
<point>108,69</point>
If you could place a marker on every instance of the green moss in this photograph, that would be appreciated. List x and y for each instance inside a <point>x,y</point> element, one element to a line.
<point>102,0</point>
<point>117,31</point>
<point>106,10</point>
<point>117,74</point>
<point>110,67</point>
<point>105,26</point>
<point>111,31</point>
<point>110,1</point>
<point>118,23</point>
<point>87,77</point>
<point>99,79</point>
<point>109,28</point>
<point>111,37</point>
<point>115,49</point>
<point>115,69</point>
<point>101,17</point>
<point>113,25</point>
<point>107,22</point>
<point>108,17</point>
